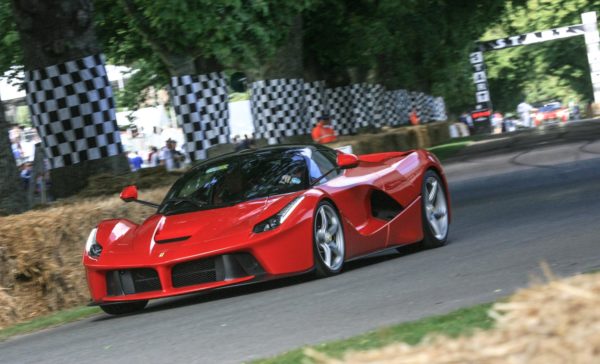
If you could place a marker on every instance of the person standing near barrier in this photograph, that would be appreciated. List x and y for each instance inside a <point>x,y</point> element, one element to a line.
<point>153,157</point>
<point>170,157</point>
<point>414,117</point>
<point>323,133</point>
<point>524,110</point>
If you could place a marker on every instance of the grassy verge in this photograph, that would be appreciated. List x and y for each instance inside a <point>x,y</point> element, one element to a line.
<point>448,150</point>
<point>460,322</point>
<point>44,322</point>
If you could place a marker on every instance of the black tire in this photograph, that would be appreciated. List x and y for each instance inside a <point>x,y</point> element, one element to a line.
<point>433,239</point>
<point>322,269</point>
<point>124,307</point>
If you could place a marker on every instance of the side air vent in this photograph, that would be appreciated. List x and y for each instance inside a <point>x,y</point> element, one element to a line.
<point>383,206</point>
<point>172,240</point>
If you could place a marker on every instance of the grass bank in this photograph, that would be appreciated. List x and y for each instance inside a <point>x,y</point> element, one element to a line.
<point>460,322</point>
<point>56,319</point>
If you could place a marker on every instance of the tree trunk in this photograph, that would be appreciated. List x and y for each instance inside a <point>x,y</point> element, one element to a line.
<point>12,195</point>
<point>53,32</point>
<point>287,62</point>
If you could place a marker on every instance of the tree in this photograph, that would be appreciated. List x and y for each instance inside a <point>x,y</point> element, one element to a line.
<point>51,33</point>
<point>556,70</point>
<point>183,37</point>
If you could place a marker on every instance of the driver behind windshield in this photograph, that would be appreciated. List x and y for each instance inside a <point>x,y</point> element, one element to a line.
<point>237,179</point>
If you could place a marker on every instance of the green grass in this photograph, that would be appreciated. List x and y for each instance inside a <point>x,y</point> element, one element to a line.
<point>239,96</point>
<point>448,150</point>
<point>44,322</point>
<point>460,322</point>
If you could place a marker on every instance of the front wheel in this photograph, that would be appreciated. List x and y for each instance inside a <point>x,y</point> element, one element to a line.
<point>328,238</point>
<point>124,307</point>
<point>435,211</point>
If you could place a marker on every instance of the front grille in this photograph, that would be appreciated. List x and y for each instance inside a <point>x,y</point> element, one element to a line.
<point>194,272</point>
<point>145,280</point>
<point>130,281</point>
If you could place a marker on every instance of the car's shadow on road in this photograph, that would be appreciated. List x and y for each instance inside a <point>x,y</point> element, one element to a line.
<point>241,290</point>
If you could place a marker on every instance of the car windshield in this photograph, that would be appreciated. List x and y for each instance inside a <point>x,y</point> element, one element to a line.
<point>550,107</point>
<point>237,178</point>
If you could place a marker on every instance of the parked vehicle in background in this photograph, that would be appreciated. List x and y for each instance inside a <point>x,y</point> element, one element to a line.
<point>552,111</point>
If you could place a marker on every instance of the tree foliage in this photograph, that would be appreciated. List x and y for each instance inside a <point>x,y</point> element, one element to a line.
<point>415,44</point>
<point>555,70</point>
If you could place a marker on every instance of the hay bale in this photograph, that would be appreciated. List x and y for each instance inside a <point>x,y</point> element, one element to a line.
<point>41,262</point>
<point>439,133</point>
<point>422,136</point>
<point>412,138</point>
<point>558,322</point>
<point>110,184</point>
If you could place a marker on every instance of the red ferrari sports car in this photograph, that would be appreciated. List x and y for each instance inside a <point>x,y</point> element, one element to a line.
<point>261,214</point>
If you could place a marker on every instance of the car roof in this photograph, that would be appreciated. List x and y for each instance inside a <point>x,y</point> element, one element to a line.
<point>274,148</point>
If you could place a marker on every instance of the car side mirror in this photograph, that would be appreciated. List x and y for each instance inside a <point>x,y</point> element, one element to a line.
<point>129,194</point>
<point>347,161</point>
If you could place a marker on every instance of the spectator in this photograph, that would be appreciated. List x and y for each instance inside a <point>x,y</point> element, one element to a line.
<point>26,169</point>
<point>524,111</point>
<point>497,122</point>
<point>17,151</point>
<point>574,110</point>
<point>323,133</point>
<point>414,117</point>
<point>135,161</point>
<point>170,157</point>
<point>153,157</point>
<point>246,143</point>
<point>466,118</point>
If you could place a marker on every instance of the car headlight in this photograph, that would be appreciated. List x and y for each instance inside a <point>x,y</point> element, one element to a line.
<point>92,248</point>
<point>278,219</point>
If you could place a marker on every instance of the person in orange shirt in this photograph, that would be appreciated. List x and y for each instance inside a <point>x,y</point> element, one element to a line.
<point>323,133</point>
<point>414,118</point>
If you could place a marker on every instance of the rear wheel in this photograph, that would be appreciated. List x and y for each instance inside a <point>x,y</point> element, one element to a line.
<point>328,238</point>
<point>124,307</point>
<point>435,211</point>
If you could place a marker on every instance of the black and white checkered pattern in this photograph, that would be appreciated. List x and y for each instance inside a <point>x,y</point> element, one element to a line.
<point>201,106</point>
<point>395,108</point>
<point>439,109</point>
<point>340,102</point>
<point>368,105</point>
<point>418,102</point>
<point>315,102</point>
<point>73,110</point>
<point>278,109</point>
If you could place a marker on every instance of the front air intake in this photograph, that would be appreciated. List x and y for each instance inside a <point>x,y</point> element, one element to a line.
<point>194,272</point>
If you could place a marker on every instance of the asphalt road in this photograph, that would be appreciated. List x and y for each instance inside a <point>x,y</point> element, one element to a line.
<point>510,213</point>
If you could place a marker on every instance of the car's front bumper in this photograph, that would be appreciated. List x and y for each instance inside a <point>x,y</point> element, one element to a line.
<point>185,268</point>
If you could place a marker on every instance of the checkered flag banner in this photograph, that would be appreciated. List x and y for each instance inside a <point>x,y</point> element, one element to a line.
<point>73,110</point>
<point>368,104</point>
<point>278,109</point>
<point>201,106</point>
<point>340,105</point>
<point>402,106</point>
<point>418,102</point>
<point>439,109</point>
<point>315,102</point>
<point>395,107</point>
<point>362,104</point>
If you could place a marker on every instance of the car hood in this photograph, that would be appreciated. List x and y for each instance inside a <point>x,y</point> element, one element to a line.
<point>226,223</point>
<point>208,224</point>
